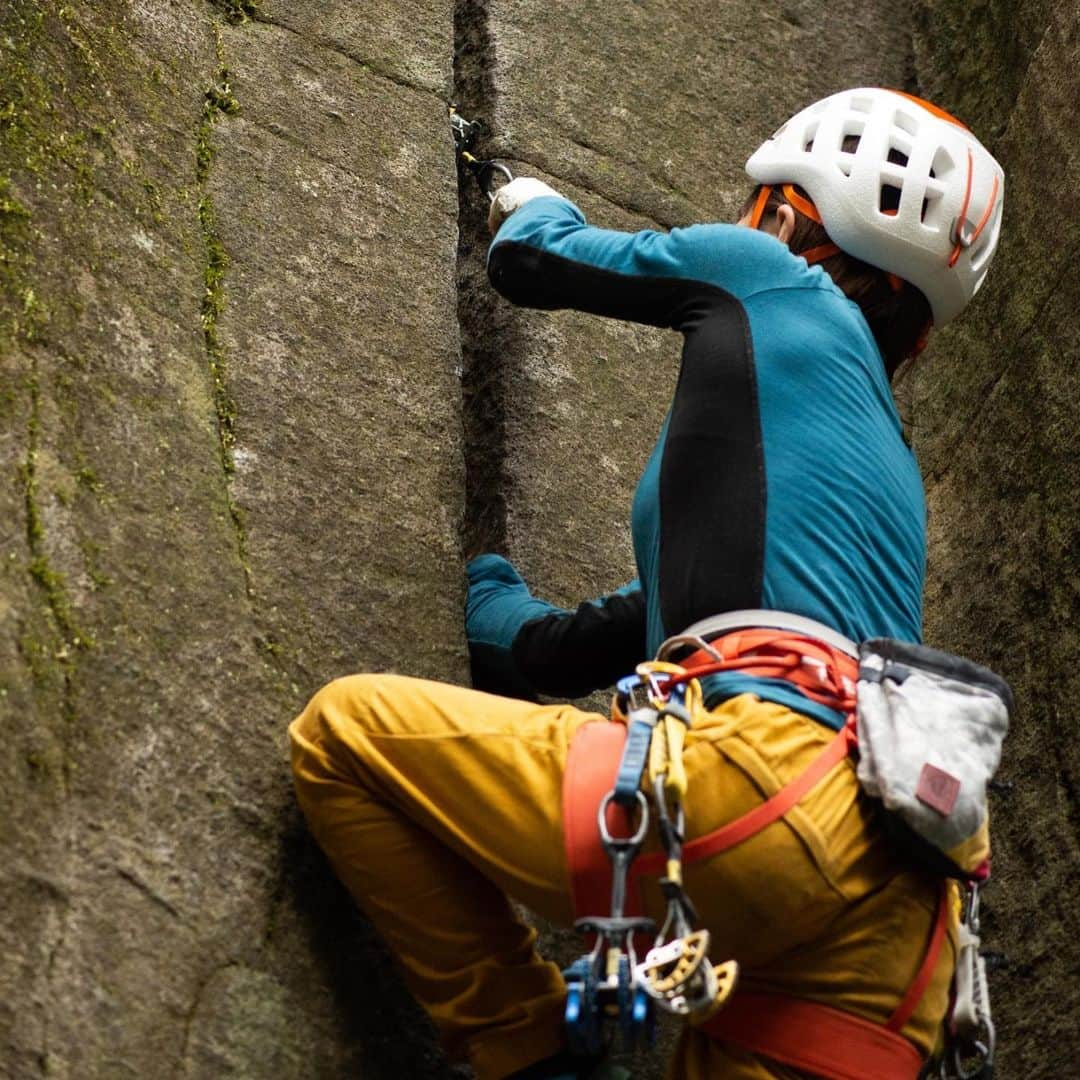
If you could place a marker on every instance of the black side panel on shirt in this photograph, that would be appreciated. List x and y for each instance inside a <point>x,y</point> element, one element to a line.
<point>574,654</point>
<point>494,671</point>
<point>533,278</point>
<point>712,474</point>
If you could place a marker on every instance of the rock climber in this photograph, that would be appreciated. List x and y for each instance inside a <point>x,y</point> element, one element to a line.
<point>781,487</point>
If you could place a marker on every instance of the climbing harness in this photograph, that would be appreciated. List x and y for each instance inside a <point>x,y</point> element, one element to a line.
<point>466,132</point>
<point>609,988</point>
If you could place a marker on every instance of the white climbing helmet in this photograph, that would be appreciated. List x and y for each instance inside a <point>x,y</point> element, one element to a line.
<point>941,234</point>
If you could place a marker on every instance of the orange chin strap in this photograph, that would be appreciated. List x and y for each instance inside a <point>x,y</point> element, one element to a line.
<point>817,254</point>
<point>759,206</point>
<point>808,209</point>
<point>804,206</point>
<point>826,251</point>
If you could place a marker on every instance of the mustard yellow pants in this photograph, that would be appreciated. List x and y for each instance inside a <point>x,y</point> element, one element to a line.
<point>435,803</point>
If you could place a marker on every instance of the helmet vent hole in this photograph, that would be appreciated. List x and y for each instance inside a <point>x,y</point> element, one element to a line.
<point>861,104</point>
<point>899,151</point>
<point>810,134</point>
<point>889,199</point>
<point>843,163</point>
<point>942,165</point>
<point>932,209</point>
<point>851,132</point>
<point>906,122</point>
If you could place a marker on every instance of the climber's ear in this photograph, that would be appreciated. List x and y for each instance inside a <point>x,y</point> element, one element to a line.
<point>785,223</point>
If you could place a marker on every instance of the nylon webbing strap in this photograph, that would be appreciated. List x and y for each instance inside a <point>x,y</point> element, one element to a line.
<point>906,1009</point>
<point>591,764</point>
<point>635,754</point>
<point>827,1042</point>
<point>774,808</point>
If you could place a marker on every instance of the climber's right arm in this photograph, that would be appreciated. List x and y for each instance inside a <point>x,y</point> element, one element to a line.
<point>545,255</point>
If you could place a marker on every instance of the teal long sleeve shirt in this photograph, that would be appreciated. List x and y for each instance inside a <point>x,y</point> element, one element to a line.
<point>780,478</point>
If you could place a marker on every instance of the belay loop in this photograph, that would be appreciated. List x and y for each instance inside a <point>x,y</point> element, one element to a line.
<point>466,132</point>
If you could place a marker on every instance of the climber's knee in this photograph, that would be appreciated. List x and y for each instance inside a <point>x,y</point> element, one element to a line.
<point>333,718</point>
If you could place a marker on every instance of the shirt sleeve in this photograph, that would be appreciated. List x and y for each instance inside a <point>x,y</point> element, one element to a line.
<point>546,256</point>
<point>522,646</point>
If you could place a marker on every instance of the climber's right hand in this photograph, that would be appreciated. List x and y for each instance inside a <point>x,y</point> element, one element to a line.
<point>514,195</point>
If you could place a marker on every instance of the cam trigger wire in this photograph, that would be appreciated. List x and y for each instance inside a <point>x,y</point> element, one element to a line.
<point>466,132</point>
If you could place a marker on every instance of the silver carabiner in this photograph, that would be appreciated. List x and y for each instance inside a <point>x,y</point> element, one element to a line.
<point>484,174</point>
<point>623,842</point>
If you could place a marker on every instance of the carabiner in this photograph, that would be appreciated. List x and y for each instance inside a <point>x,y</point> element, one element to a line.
<point>623,843</point>
<point>466,133</point>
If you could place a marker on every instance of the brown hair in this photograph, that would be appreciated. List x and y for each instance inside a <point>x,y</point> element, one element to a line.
<point>899,320</point>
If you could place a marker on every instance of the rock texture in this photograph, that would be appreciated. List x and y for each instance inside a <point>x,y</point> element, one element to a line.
<point>993,408</point>
<point>221,391</point>
<point>258,402</point>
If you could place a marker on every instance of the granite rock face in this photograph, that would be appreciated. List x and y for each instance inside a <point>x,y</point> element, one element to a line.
<point>993,408</point>
<point>221,391</point>
<point>258,403</point>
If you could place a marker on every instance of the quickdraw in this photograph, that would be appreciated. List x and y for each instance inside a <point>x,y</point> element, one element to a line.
<point>608,987</point>
<point>466,132</point>
<point>970,1036</point>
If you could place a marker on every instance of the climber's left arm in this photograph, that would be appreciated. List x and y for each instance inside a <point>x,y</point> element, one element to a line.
<point>523,646</point>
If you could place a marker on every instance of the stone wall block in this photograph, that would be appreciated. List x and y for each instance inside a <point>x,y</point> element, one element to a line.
<point>405,41</point>
<point>657,107</point>
<point>340,326</point>
<point>152,849</point>
<point>994,410</point>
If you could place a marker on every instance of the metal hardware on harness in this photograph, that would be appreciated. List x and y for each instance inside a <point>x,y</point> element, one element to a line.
<point>609,986</point>
<point>600,985</point>
<point>681,979</point>
<point>677,972</point>
<point>466,132</point>
<point>969,1047</point>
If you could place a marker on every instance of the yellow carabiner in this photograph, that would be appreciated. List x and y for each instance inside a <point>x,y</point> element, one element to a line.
<point>675,738</point>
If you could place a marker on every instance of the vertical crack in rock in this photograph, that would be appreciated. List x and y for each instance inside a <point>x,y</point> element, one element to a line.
<point>483,383</point>
<point>218,102</point>
<point>45,1060</point>
<point>59,655</point>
